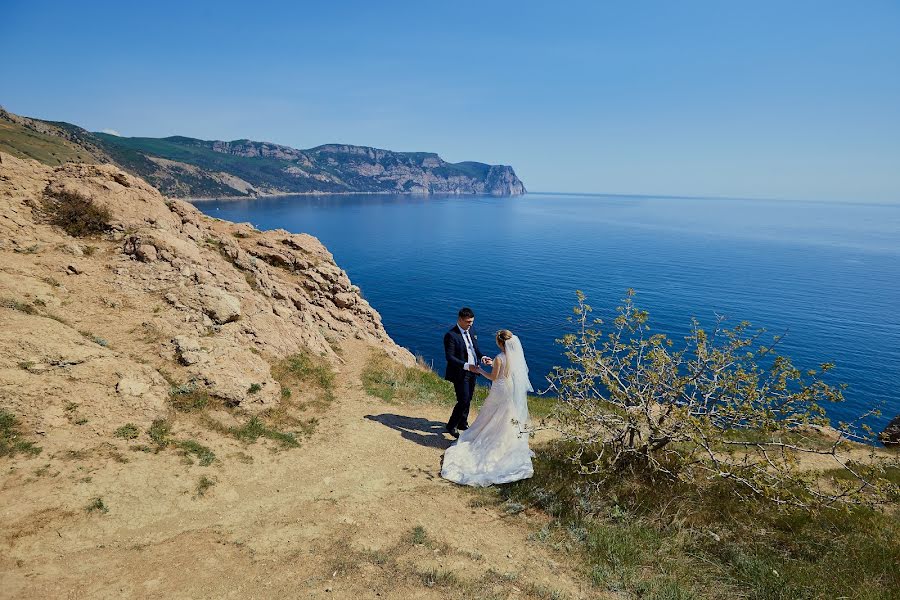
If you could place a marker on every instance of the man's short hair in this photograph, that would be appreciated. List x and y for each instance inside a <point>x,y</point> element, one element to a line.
<point>466,313</point>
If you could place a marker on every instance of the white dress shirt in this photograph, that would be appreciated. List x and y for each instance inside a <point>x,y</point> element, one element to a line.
<point>470,347</point>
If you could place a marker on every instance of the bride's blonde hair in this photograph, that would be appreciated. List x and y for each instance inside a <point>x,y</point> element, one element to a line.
<point>503,335</point>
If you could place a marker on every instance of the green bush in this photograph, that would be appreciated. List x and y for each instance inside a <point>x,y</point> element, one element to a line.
<point>721,406</point>
<point>129,431</point>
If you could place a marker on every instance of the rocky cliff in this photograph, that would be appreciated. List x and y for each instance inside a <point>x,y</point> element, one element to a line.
<point>162,296</point>
<point>187,167</point>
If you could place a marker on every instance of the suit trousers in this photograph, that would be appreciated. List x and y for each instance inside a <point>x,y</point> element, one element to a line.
<point>464,387</point>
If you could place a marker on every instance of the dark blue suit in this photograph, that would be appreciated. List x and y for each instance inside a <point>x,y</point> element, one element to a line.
<point>463,381</point>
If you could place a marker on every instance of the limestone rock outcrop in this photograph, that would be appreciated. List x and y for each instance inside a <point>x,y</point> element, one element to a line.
<point>165,294</point>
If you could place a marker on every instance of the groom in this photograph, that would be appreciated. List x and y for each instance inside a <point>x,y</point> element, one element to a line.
<point>463,355</point>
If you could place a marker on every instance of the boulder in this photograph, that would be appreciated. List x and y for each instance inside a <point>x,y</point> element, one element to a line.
<point>146,252</point>
<point>219,305</point>
<point>891,435</point>
<point>187,349</point>
<point>132,385</point>
<point>344,300</point>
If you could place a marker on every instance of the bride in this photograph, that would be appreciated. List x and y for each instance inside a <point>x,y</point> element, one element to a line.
<point>494,449</point>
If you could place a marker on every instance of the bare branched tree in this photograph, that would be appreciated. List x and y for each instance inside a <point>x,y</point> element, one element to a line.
<point>723,405</point>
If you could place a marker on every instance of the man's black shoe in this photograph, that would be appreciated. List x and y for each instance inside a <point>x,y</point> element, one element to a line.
<point>453,432</point>
<point>462,427</point>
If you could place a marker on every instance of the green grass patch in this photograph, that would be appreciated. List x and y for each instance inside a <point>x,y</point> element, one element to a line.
<point>418,535</point>
<point>11,440</point>
<point>306,367</point>
<point>890,472</point>
<point>255,428</point>
<point>395,383</point>
<point>438,578</point>
<point>23,142</point>
<point>658,539</point>
<point>303,372</point>
<point>128,431</point>
<point>204,455</point>
<point>188,398</point>
<point>97,505</point>
<point>159,433</point>
<point>203,486</point>
<point>14,304</point>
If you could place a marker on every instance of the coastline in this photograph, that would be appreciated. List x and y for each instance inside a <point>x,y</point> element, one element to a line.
<point>194,199</point>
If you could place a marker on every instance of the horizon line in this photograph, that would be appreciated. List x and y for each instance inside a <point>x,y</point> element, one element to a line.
<point>895,202</point>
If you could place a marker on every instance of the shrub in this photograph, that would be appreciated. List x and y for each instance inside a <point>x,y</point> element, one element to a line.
<point>721,407</point>
<point>159,432</point>
<point>419,536</point>
<point>129,431</point>
<point>188,397</point>
<point>203,485</point>
<point>98,505</point>
<point>640,537</point>
<point>77,214</point>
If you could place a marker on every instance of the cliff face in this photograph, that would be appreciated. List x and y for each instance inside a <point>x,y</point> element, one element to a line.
<point>187,167</point>
<point>165,294</point>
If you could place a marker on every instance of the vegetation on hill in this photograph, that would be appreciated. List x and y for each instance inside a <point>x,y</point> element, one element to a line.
<point>661,539</point>
<point>724,407</point>
<point>708,470</point>
<point>22,142</point>
<point>187,167</point>
<point>653,533</point>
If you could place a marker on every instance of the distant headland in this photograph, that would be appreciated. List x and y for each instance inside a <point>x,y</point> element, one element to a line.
<point>192,168</point>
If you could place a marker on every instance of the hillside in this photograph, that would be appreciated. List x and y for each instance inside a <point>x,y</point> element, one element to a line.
<point>192,168</point>
<point>183,414</point>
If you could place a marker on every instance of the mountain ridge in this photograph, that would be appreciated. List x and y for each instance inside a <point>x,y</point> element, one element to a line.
<point>187,167</point>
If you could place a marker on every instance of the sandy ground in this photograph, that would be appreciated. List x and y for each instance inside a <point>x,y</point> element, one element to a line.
<point>331,519</point>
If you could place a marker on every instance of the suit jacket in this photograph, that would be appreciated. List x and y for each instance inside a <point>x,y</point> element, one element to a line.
<point>456,353</point>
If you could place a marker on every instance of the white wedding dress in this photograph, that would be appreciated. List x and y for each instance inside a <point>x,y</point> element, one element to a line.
<point>494,449</point>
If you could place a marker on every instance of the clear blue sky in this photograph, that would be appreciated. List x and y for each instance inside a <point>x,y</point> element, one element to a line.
<point>787,99</point>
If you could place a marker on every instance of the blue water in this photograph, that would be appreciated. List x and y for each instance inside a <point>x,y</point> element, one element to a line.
<point>827,273</point>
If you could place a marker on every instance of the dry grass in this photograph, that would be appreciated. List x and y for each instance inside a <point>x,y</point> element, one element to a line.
<point>406,563</point>
<point>385,378</point>
<point>657,539</point>
<point>12,441</point>
<point>77,214</point>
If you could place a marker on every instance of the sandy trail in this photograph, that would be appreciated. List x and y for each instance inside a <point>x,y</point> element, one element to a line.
<point>332,519</point>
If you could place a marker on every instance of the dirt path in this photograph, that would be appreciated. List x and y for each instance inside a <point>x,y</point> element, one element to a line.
<point>335,518</point>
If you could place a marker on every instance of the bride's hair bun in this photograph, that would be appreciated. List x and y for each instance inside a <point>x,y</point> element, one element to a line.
<point>503,335</point>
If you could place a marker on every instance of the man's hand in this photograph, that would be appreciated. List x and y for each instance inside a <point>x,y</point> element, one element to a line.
<point>472,368</point>
<point>487,360</point>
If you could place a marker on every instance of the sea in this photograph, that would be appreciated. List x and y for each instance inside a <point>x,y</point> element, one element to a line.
<point>825,274</point>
